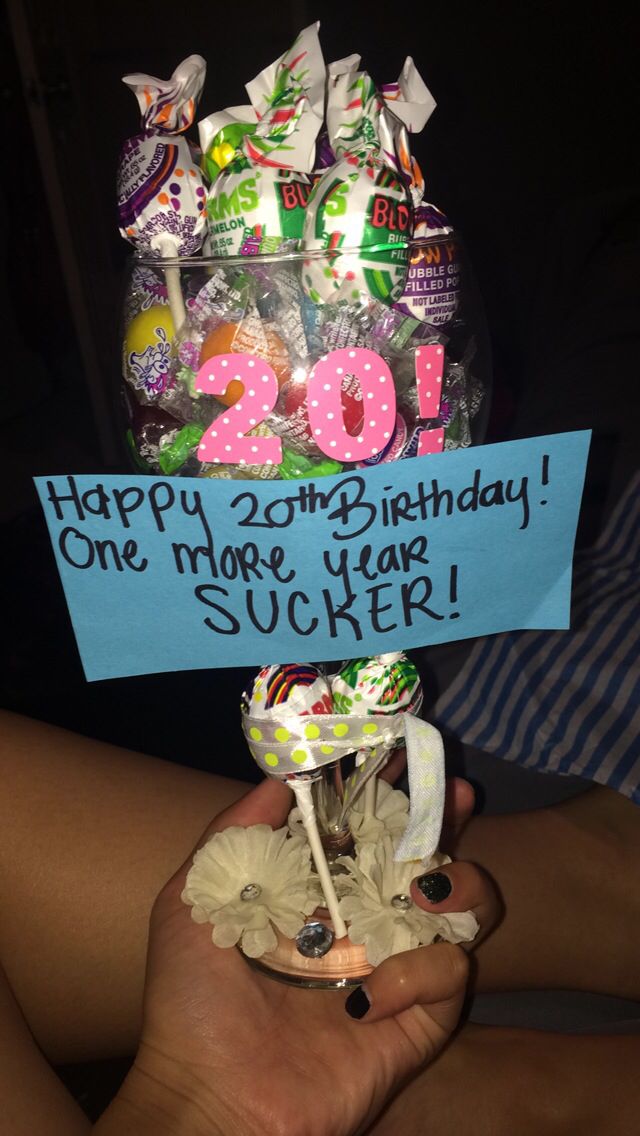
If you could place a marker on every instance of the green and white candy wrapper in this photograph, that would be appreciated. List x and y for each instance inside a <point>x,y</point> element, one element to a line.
<point>362,202</point>
<point>258,200</point>
<point>381,685</point>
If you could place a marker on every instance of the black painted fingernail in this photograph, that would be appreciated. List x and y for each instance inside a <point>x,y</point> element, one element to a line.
<point>435,886</point>
<point>357,1004</point>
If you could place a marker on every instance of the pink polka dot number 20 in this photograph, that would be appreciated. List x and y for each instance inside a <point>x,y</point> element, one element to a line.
<point>324,404</point>
<point>228,439</point>
<point>225,440</point>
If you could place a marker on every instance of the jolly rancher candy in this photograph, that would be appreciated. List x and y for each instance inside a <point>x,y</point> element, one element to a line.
<point>264,153</point>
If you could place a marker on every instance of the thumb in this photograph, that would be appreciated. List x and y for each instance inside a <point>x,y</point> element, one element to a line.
<point>432,978</point>
<point>267,803</point>
<point>456,887</point>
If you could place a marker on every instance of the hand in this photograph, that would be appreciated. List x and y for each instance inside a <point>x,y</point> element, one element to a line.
<point>235,1052</point>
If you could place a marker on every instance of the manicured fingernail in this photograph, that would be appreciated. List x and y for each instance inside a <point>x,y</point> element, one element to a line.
<point>435,886</point>
<point>357,1004</point>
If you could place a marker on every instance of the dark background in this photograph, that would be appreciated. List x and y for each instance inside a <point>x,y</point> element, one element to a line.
<point>532,152</point>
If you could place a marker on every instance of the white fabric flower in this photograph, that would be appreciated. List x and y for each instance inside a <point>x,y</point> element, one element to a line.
<point>391,816</point>
<point>384,929</point>
<point>275,873</point>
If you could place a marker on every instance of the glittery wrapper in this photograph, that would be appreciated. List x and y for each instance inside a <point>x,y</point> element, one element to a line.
<point>161,197</point>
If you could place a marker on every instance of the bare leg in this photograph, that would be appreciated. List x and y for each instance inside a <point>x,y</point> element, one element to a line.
<point>88,835</point>
<point>570,880</point>
<point>506,1082</point>
<point>33,1099</point>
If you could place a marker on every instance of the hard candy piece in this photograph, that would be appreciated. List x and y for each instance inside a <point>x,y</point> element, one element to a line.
<point>297,465</point>
<point>251,337</point>
<point>151,430</point>
<point>148,351</point>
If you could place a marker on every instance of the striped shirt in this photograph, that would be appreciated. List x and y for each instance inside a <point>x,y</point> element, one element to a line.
<point>566,702</point>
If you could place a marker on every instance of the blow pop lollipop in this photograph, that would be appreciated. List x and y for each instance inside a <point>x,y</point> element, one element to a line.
<point>161,197</point>
<point>280,696</point>
<point>385,684</point>
<point>260,155</point>
<point>362,202</point>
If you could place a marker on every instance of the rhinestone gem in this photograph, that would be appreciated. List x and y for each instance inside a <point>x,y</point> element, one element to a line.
<point>251,891</point>
<point>314,940</point>
<point>402,902</point>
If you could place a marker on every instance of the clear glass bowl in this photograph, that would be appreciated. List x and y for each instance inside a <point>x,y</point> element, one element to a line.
<point>291,310</point>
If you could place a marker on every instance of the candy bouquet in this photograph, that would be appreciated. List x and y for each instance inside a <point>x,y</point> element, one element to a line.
<point>297,309</point>
<point>326,898</point>
<point>297,242</point>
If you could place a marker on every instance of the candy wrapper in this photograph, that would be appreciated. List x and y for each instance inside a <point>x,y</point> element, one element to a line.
<point>379,273</point>
<point>161,196</point>
<point>259,156</point>
<point>361,202</point>
<point>384,684</point>
<point>432,289</point>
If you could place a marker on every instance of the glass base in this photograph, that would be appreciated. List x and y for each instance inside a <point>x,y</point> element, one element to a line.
<point>344,965</point>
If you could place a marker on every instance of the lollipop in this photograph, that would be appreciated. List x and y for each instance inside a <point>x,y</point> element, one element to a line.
<point>161,198</point>
<point>283,694</point>
<point>361,203</point>
<point>431,292</point>
<point>263,153</point>
<point>432,289</point>
<point>385,684</point>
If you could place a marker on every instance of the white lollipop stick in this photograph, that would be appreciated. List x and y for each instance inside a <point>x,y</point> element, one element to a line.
<point>370,794</point>
<point>304,801</point>
<point>370,789</point>
<point>168,248</point>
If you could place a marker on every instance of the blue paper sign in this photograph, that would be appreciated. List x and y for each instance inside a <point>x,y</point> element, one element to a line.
<point>176,574</point>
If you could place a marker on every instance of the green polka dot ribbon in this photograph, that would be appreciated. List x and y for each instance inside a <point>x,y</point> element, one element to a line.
<point>292,743</point>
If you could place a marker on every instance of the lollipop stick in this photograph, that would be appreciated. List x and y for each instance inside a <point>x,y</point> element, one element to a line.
<point>370,794</point>
<point>174,287</point>
<point>302,790</point>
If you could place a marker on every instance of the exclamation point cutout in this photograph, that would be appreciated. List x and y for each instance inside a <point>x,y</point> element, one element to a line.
<point>453,589</point>
<point>545,474</point>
